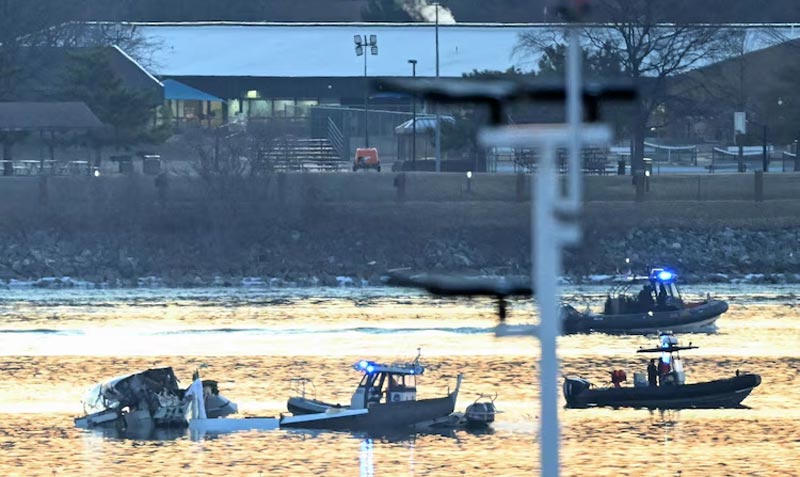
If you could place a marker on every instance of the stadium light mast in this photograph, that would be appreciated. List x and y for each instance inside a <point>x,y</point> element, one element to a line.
<point>364,43</point>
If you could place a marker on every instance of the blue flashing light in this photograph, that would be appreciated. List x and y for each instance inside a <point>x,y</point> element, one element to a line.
<point>363,364</point>
<point>370,368</point>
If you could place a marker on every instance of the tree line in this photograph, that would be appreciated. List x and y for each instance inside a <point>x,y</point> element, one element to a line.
<point>682,70</point>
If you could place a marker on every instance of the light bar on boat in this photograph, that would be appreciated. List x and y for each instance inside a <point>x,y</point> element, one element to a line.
<point>663,275</point>
<point>370,367</point>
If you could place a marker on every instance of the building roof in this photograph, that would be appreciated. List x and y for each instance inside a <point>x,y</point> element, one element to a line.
<point>220,49</point>
<point>328,50</point>
<point>751,77</point>
<point>174,89</point>
<point>22,116</point>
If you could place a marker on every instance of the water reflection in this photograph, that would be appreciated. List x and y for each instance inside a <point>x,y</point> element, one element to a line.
<point>140,432</point>
<point>365,457</point>
<point>60,343</point>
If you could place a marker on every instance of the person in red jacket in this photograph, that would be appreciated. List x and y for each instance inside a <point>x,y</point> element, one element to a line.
<point>663,371</point>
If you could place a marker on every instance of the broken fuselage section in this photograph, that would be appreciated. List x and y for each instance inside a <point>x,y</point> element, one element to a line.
<point>149,399</point>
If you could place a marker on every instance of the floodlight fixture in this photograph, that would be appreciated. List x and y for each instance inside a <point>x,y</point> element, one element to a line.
<point>373,40</point>
<point>357,39</point>
<point>359,50</point>
<point>374,50</point>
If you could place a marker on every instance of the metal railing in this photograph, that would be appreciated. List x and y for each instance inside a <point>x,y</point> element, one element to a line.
<point>336,139</point>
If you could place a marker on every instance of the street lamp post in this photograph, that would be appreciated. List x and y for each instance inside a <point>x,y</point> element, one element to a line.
<point>413,118</point>
<point>362,44</point>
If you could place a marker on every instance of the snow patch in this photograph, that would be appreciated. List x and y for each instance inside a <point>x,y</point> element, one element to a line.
<point>150,281</point>
<point>61,282</point>
<point>253,282</point>
<point>344,281</point>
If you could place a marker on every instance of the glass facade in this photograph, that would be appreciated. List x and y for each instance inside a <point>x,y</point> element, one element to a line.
<point>284,108</point>
<point>272,108</point>
<point>259,108</point>
<point>303,107</point>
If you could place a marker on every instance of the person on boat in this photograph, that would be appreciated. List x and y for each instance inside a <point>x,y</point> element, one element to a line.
<point>618,376</point>
<point>663,371</point>
<point>646,298</point>
<point>661,300</point>
<point>652,373</point>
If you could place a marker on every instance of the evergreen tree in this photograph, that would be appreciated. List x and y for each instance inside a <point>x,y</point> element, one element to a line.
<point>127,113</point>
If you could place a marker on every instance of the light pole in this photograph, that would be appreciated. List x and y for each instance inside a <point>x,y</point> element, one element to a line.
<point>438,128</point>
<point>362,43</point>
<point>413,118</point>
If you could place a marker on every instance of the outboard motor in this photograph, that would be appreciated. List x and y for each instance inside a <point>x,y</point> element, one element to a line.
<point>574,386</point>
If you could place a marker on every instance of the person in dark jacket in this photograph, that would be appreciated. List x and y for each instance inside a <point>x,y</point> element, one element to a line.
<point>652,373</point>
<point>646,301</point>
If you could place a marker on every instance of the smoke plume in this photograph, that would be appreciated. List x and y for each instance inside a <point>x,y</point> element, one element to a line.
<point>420,10</point>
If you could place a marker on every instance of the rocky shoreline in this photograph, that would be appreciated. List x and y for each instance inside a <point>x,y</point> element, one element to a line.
<point>285,257</point>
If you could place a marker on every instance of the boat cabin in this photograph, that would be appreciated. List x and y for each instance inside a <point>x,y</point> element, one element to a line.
<point>384,384</point>
<point>653,293</point>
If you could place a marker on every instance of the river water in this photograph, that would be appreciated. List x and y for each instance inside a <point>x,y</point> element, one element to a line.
<point>55,344</point>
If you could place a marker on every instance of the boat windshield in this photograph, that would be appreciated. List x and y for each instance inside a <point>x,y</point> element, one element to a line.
<point>400,381</point>
<point>675,292</point>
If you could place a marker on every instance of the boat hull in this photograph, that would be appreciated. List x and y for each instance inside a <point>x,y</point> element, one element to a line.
<point>721,393</point>
<point>379,417</point>
<point>696,318</point>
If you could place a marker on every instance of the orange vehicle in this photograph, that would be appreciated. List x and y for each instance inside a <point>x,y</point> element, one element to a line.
<point>366,158</point>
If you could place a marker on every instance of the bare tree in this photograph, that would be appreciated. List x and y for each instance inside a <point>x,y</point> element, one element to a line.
<point>649,50</point>
<point>234,161</point>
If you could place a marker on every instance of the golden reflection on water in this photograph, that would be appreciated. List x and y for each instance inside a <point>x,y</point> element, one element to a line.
<point>54,345</point>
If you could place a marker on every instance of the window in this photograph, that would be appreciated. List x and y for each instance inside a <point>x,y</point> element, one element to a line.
<point>284,108</point>
<point>259,108</point>
<point>192,109</point>
<point>303,108</point>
